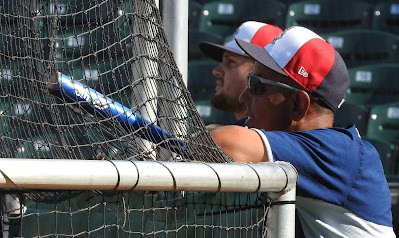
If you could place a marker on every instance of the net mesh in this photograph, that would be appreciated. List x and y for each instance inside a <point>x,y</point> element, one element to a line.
<point>131,104</point>
<point>117,48</point>
<point>139,214</point>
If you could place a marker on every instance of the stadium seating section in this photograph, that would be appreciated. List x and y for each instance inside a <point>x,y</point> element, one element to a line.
<point>223,17</point>
<point>373,84</point>
<point>364,46</point>
<point>386,16</point>
<point>327,16</point>
<point>365,32</point>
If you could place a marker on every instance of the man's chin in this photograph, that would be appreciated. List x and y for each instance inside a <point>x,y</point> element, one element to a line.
<point>221,102</point>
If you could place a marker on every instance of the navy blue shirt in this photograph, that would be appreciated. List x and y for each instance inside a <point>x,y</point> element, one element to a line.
<point>337,167</point>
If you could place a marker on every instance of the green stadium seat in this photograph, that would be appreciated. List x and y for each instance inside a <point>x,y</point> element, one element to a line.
<point>231,211</point>
<point>376,77</point>
<point>386,16</point>
<point>194,38</point>
<point>211,115</point>
<point>105,77</point>
<point>24,110</point>
<point>223,17</point>
<point>126,25</point>
<point>383,122</point>
<point>324,16</point>
<point>50,143</point>
<point>389,154</point>
<point>373,84</point>
<point>383,134</point>
<point>10,9</point>
<point>82,12</point>
<point>118,149</point>
<point>14,74</point>
<point>369,99</point>
<point>13,39</point>
<point>364,47</point>
<point>6,75</point>
<point>33,140</point>
<point>80,220</point>
<point>194,14</point>
<point>84,41</point>
<point>200,81</point>
<point>37,147</point>
<point>125,12</point>
<point>350,114</point>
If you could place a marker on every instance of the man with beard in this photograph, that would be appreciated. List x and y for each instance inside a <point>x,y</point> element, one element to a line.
<point>231,73</point>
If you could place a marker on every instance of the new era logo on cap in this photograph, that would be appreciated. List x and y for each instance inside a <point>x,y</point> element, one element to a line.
<point>302,71</point>
<point>257,33</point>
<point>309,60</point>
<point>298,45</point>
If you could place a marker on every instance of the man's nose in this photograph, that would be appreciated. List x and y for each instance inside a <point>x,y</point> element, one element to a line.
<point>218,71</point>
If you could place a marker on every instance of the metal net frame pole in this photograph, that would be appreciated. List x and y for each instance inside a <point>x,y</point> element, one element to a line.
<point>277,179</point>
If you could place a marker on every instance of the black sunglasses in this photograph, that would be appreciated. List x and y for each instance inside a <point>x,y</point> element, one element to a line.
<point>255,85</point>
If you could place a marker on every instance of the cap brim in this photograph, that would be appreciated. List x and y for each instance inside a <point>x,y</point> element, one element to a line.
<point>260,55</point>
<point>215,51</point>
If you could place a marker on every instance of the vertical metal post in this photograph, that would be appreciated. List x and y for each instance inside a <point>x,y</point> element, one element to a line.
<point>147,89</point>
<point>175,23</point>
<point>281,217</point>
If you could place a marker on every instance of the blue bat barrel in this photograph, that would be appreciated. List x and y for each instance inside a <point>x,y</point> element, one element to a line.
<point>97,104</point>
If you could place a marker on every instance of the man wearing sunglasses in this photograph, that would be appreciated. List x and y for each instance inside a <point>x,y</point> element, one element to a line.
<point>235,65</point>
<point>297,83</point>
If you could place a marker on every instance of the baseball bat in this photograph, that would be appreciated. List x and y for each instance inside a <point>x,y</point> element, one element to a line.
<point>97,104</point>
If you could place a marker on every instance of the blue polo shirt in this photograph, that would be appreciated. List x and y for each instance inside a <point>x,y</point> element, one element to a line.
<point>342,189</point>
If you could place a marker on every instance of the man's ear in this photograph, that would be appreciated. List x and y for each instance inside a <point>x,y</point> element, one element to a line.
<point>300,105</point>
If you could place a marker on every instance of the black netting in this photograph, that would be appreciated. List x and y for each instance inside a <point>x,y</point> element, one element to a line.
<point>96,80</point>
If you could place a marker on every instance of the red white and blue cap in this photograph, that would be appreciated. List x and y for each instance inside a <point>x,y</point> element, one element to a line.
<point>308,59</point>
<point>257,33</point>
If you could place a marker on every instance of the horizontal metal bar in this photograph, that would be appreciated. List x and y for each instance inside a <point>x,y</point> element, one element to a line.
<point>63,174</point>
